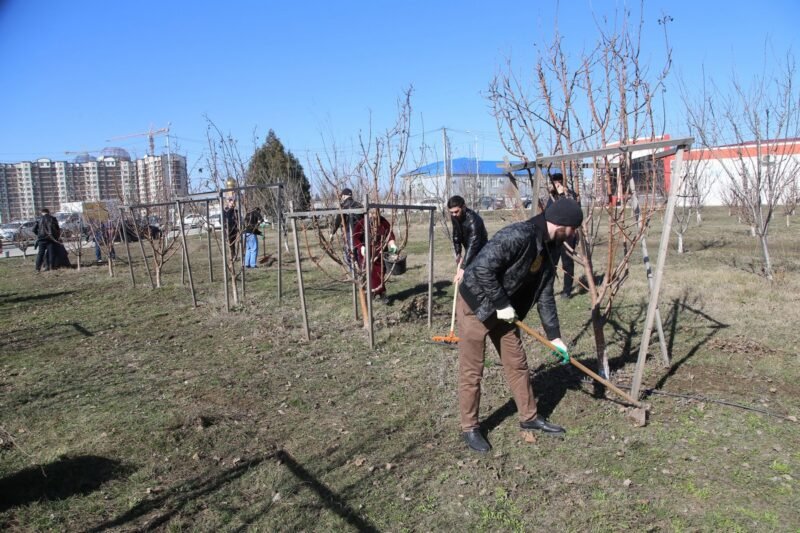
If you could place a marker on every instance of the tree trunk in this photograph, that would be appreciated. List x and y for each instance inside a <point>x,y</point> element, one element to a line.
<point>767,260</point>
<point>680,243</point>
<point>753,231</point>
<point>600,341</point>
<point>698,217</point>
<point>788,219</point>
<point>158,274</point>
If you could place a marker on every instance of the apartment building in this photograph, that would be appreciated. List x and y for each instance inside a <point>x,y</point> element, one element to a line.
<point>28,186</point>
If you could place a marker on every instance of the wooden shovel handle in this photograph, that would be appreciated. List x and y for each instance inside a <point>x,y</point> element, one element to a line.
<point>541,338</point>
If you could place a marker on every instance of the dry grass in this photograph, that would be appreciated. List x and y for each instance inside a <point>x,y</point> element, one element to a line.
<point>145,413</point>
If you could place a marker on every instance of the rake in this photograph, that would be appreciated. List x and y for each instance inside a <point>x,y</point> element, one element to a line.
<point>449,339</point>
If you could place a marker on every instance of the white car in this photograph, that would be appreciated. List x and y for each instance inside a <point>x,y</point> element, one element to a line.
<point>192,220</point>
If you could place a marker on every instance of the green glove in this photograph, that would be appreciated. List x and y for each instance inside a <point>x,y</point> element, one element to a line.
<point>392,247</point>
<point>561,353</point>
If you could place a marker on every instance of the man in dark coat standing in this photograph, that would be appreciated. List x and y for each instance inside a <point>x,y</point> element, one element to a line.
<point>47,235</point>
<point>514,270</point>
<point>469,234</point>
<point>558,191</point>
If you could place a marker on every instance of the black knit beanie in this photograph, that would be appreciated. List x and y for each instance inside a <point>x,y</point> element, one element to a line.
<point>564,212</point>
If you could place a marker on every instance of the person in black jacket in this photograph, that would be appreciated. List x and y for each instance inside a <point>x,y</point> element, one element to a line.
<point>230,222</point>
<point>469,233</point>
<point>514,270</point>
<point>558,191</point>
<point>348,222</point>
<point>47,235</point>
<point>251,232</point>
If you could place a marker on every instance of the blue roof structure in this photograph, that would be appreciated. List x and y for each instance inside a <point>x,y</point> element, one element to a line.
<point>464,166</point>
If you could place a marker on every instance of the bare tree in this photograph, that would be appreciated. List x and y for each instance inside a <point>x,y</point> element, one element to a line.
<point>373,172</point>
<point>751,131</point>
<point>604,96</point>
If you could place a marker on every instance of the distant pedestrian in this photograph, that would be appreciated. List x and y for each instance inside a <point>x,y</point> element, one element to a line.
<point>47,236</point>
<point>558,191</point>
<point>251,232</point>
<point>469,234</point>
<point>230,222</point>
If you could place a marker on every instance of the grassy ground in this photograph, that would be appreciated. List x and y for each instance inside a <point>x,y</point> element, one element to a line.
<point>127,408</point>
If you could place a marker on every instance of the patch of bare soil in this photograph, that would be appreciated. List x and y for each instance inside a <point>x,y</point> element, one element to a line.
<point>740,345</point>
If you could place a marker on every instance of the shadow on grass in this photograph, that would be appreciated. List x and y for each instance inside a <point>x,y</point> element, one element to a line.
<point>6,299</point>
<point>439,290</point>
<point>175,499</point>
<point>61,479</point>
<point>25,338</point>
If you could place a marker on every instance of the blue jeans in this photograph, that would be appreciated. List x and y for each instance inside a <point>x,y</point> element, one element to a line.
<point>251,252</point>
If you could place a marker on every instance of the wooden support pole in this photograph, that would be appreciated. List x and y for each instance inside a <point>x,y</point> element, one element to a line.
<point>209,230</point>
<point>659,274</point>
<point>141,246</point>
<point>224,232</point>
<point>127,248</point>
<point>186,253</point>
<point>300,287</point>
<point>637,211</point>
<point>279,214</point>
<point>431,224</point>
<point>367,272</point>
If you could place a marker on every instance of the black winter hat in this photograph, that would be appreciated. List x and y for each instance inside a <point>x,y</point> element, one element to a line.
<point>346,192</point>
<point>564,212</point>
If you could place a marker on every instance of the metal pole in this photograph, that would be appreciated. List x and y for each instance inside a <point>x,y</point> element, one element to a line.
<point>662,258</point>
<point>141,246</point>
<point>209,229</point>
<point>224,237</point>
<point>537,182</point>
<point>430,268</point>
<point>300,286</point>
<point>127,248</point>
<point>186,253</point>
<point>368,271</point>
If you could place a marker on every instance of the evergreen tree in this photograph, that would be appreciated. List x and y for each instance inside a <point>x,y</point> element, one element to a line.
<point>272,163</point>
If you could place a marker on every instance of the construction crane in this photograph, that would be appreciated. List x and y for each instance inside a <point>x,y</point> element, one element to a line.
<point>149,134</point>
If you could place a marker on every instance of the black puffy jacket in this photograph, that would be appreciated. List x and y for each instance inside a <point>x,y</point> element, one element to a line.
<point>514,268</point>
<point>469,233</point>
<point>351,219</point>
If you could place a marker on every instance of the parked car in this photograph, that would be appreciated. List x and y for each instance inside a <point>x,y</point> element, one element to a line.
<point>8,231</point>
<point>192,220</point>
<point>25,231</point>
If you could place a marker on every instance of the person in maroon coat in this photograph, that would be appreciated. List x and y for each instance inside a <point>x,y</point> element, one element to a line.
<point>381,238</point>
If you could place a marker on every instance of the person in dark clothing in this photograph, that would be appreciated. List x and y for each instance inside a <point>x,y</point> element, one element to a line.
<point>514,270</point>
<point>47,235</point>
<point>251,232</point>
<point>559,191</point>
<point>230,222</point>
<point>347,223</point>
<point>469,234</point>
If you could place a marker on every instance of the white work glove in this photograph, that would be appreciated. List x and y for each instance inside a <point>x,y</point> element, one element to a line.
<point>392,247</point>
<point>561,353</point>
<point>507,314</point>
<point>363,252</point>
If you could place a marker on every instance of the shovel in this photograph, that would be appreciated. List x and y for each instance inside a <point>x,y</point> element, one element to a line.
<point>539,337</point>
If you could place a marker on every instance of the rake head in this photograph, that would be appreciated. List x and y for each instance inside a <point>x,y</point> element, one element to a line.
<point>448,339</point>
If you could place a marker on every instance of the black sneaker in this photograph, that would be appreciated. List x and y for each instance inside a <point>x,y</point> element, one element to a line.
<point>475,441</point>
<point>540,424</point>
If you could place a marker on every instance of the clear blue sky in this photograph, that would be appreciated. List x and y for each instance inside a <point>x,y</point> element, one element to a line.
<point>78,73</point>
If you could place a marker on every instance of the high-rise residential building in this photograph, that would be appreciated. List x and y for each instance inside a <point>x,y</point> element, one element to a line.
<point>28,186</point>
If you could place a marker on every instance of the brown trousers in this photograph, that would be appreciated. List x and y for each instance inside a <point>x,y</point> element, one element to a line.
<point>505,337</point>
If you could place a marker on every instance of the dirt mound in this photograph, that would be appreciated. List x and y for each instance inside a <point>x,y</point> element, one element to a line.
<point>740,345</point>
<point>415,309</point>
